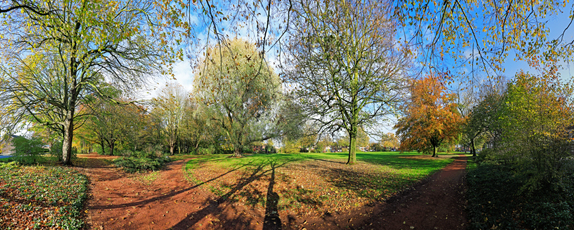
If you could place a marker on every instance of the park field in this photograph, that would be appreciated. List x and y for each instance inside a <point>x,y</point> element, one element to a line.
<point>310,184</point>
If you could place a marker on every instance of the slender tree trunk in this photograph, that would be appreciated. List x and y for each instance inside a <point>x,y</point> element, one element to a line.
<point>112,147</point>
<point>68,137</point>
<point>434,151</point>
<point>473,148</point>
<point>103,146</point>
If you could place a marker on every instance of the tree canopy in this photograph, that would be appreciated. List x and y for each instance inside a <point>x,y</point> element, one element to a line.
<point>344,64</point>
<point>430,117</point>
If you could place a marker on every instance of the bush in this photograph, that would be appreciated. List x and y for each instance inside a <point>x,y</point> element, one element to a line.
<point>495,200</point>
<point>134,164</point>
<point>205,151</point>
<point>27,151</point>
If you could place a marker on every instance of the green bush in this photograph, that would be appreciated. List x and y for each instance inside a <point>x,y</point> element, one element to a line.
<point>495,200</point>
<point>205,151</point>
<point>27,151</point>
<point>135,164</point>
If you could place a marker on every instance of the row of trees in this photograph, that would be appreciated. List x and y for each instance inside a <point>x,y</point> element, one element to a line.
<point>344,73</point>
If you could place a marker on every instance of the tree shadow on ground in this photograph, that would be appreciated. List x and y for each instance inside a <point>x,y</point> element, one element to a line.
<point>253,171</point>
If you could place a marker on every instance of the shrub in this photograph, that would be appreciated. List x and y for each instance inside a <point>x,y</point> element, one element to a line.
<point>27,151</point>
<point>495,200</point>
<point>134,164</point>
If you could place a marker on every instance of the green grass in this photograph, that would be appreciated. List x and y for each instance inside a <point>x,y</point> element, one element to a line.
<point>393,160</point>
<point>378,176</point>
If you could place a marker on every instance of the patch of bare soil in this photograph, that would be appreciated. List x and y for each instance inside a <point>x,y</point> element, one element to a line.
<point>310,194</point>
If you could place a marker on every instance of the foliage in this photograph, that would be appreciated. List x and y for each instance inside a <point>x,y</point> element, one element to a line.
<point>529,130</point>
<point>430,117</point>
<point>481,35</point>
<point>241,92</point>
<point>389,140</point>
<point>495,201</point>
<point>56,56</point>
<point>269,147</point>
<point>137,163</point>
<point>42,197</point>
<point>345,63</point>
<point>170,109</point>
<point>27,151</point>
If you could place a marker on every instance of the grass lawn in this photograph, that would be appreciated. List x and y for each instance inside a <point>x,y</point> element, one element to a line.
<point>41,197</point>
<point>311,183</point>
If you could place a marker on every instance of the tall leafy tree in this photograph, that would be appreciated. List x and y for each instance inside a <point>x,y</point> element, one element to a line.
<point>345,65</point>
<point>431,117</point>
<point>54,53</point>
<point>241,91</point>
<point>535,118</point>
<point>170,107</point>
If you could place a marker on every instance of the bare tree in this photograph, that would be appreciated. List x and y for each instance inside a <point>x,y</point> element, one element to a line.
<point>344,64</point>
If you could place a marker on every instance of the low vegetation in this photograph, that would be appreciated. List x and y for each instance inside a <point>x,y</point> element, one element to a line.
<point>41,197</point>
<point>497,200</point>
<point>142,161</point>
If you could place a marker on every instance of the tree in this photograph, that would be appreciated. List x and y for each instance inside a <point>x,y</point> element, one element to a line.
<point>482,122</point>
<point>345,64</point>
<point>389,140</point>
<point>111,124</point>
<point>170,107</point>
<point>241,91</point>
<point>431,117</point>
<point>53,60</point>
<point>534,118</point>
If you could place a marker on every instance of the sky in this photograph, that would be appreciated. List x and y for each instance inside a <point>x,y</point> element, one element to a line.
<point>184,73</point>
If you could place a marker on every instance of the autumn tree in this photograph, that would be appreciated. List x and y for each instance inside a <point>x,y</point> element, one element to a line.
<point>345,64</point>
<point>241,91</point>
<point>430,117</point>
<point>389,140</point>
<point>69,48</point>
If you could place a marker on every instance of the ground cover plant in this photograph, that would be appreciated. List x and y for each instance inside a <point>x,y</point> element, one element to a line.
<point>497,200</point>
<point>310,184</point>
<point>41,197</point>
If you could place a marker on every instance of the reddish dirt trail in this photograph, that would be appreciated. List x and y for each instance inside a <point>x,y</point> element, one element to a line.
<point>119,201</point>
<point>436,203</point>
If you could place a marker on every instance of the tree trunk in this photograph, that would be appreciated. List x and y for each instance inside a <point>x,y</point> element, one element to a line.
<point>237,151</point>
<point>352,147</point>
<point>68,137</point>
<point>112,147</point>
<point>434,151</point>
<point>171,148</point>
<point>103,146</point>
<point>473,148</point>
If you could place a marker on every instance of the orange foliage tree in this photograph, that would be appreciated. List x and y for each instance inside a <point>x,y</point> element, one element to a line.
<point>431,117</point>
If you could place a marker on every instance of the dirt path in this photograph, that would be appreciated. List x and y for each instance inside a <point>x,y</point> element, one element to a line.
<point>123,201</point>
<point>436,203</point>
